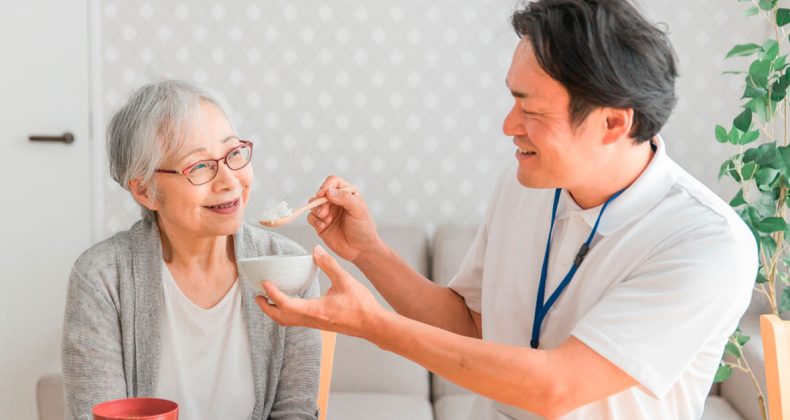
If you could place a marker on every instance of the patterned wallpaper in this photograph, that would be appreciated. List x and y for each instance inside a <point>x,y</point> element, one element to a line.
<point>403,98</point>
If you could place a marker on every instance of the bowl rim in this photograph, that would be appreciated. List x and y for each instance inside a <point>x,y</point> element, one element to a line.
<point>275,257</point>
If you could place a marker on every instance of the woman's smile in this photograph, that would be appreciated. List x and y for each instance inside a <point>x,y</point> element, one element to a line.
<point>228,207</point>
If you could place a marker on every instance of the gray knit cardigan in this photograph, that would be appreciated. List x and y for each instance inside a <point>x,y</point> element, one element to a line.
<point>111,329</point>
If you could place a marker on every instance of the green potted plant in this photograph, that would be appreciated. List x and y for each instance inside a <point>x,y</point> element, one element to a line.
<point>760,165</point>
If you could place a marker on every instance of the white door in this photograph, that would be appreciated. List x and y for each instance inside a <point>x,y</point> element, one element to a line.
<point>45,187</point>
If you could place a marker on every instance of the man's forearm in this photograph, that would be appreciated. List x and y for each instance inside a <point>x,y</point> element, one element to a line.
<point>407,292</point>
<point>511,375</point>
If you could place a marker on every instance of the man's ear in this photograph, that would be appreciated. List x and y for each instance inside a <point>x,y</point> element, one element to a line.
<point>618,124</point>
<point>143,195</point>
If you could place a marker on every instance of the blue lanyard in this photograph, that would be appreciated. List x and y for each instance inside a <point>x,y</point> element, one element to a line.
<point>541,307</point>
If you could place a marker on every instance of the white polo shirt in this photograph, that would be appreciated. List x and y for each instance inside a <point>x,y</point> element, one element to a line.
<point>669,275</point>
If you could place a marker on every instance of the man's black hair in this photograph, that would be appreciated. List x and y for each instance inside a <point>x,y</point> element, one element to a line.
<point>606,55</point>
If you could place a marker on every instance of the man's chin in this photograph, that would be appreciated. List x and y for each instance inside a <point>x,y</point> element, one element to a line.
<point>530,181</point>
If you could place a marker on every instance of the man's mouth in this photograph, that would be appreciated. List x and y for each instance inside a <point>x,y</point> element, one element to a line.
<point>525,151</point>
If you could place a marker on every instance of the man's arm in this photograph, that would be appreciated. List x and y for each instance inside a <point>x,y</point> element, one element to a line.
<point>547,382</point>
<point>407,291</point>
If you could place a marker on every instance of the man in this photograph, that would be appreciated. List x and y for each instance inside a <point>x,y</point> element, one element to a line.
<point>604,281</point>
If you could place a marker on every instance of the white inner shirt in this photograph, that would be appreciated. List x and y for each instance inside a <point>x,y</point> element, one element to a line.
<point>205,362</point>
<point>669,275</point>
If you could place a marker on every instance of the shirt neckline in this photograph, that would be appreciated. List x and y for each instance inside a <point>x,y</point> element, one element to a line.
<point>640,197</point>
<point>226,300</point>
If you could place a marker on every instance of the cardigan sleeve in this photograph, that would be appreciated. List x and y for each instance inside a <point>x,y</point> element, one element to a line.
<point>297,388</point>
<point>92,356</point>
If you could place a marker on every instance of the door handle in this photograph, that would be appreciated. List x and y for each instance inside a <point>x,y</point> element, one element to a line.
<point>67,138</point>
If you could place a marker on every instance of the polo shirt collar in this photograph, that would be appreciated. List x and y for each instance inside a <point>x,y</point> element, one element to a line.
<point>639,198</point>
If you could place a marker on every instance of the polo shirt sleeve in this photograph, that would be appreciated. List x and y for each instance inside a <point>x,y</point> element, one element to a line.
<point>688,292</point>
<point>468,282</point>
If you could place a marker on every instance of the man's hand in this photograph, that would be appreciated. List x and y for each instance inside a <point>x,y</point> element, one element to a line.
<point>348,307</point>
<point>344,223</point>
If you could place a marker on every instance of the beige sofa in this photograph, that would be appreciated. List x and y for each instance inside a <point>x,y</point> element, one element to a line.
<point>370,384</point>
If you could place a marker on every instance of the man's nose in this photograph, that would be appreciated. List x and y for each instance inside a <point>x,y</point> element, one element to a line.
<point>513,124</point>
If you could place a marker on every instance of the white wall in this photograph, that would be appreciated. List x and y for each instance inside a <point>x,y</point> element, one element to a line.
<point>404,98</point>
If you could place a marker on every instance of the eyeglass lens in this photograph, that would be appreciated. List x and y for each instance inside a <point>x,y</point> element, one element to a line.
<point>205,171</point>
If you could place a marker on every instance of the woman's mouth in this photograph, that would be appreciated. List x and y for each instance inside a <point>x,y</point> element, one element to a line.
<point>228,207</point>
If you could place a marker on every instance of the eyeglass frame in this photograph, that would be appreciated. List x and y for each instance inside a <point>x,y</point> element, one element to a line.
<point>223,159</point>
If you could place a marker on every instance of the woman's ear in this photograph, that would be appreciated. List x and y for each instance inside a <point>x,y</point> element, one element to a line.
<point>618,124</point>
<point>143,194</point>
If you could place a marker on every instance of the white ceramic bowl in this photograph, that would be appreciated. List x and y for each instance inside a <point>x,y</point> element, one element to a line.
<point>293,274</point>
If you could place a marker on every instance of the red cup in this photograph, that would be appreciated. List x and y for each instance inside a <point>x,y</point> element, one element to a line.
<point>136,409</point>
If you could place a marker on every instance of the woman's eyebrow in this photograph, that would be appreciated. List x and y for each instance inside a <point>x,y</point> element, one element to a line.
<point>203,149</point>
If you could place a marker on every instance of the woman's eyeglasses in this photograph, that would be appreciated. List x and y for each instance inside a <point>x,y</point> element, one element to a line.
<point>204,171</point>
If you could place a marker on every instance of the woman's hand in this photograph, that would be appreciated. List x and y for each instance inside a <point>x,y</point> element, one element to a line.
<point>348,307</point>
<point>344,223</point>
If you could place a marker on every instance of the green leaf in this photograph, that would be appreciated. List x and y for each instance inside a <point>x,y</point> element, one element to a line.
<point>749,137</point>
<point>767,4</point>
<point>765,177</point>
<point>760,279</point>
<point>750,216</point>
<point>770,50</point>
<point>782,16</point>
<point>744,50</point>
<point>768,246</point>
<point>772,224</point>
<point>748,170</point>
<point>734,135</point>
<point>767,155</point>
<point>762,107</point>
<point>743,121</point>
<point>723,373</point>
<point>784,304</point>
<point>751,11</point>
<point>732,349</point>
<point>753,91</point>
<point>782,161</point>
<point>758,72</point>
<point>786,260</point>
<point>738,199</point>
<point>765,204</point>
<point>725,169</point>
<point>721,134</point>
<point>733,72</point>
<point>740,337</point>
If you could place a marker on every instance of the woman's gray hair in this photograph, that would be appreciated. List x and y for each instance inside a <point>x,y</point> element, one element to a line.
<point>153,123</point>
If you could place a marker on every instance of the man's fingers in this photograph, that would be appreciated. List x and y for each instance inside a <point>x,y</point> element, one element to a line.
<point>274,312</point>
<point>275,295</point>
<point>329,265</point>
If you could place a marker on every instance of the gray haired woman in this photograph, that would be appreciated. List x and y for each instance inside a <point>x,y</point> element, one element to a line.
<point>158,310</point>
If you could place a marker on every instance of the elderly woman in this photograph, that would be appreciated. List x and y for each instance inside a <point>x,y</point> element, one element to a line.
<point>158,310</point>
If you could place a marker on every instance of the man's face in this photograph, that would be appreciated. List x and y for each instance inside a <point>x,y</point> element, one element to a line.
<point>551,152</point>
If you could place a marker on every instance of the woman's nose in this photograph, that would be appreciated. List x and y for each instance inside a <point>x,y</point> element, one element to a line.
<point>225,177</point>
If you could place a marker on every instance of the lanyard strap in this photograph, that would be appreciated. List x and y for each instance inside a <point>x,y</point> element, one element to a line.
<point>541,307</point>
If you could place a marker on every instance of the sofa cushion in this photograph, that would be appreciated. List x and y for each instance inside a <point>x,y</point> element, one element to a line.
<point>739,389</point>
<point>360,366</point>
<point>717,408</point>
<point>457,407</point>
<point>453,407</point>
<point>377,406</point>
<point>50,397</point>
